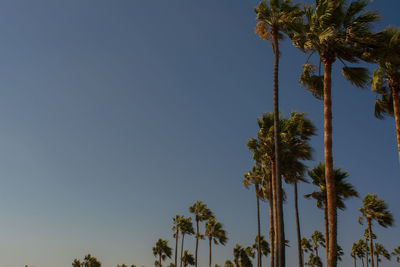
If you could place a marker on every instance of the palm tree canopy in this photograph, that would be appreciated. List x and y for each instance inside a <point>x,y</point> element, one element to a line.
<point>162,248</point>
<point>336,30</point>
<point>214,231</point>
<point>186,226</point>
<point>187,258</point>
<point>265,250</point>
<point>387,56</point>
<point>318,239</point>
<point>344,189</point>
<point>177,221</point>
<point>276,17</point>
<point>306,245</point>
<point>396,253</point>
<point>375,209</point>
<point>200,211</point>
<point>229,263</point>
<point>380,250</point>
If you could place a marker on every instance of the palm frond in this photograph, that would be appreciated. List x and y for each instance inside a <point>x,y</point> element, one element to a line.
<point>357,76</point>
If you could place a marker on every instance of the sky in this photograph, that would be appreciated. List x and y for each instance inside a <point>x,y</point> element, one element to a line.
<point>117,115</point>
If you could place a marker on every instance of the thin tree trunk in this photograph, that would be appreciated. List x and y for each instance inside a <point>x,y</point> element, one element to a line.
<point>355,263</point>
<point>276,250</point>
<point>367,255</point>
<point>330,182</point>
<point>396,110</point>
<point>183,238</point>
<point>176,247</point>
<point>197,242</point>
<point>271,222</point>
<point>258,227</point>
<point>209,242</point>
<point>362,260</point>
<point>159,263</point>
<point>280,225</point>
<point>326,227</point>
<point>371,249</point>
<point>377,261</point>
<point>296,209</point>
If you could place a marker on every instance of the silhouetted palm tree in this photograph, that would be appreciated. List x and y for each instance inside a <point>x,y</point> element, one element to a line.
<point>177,221</point>
<point>215,233</point>
<point>187,259</point>
<point>201,213</point>
<point>396,253</point>
<point>186,228</point>
<point>334,30</point>
<point>375,209</point>
<point>162,250</point>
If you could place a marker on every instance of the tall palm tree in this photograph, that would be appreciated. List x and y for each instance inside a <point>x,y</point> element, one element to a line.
<point>366,237</point>
<point>298,131</point>
<point>359,250</point>
<point>306,246</point>
<point>380,250</point>
<point>201,213</point>
<point>242,256</point>
<point>162,250</point>
<point>177,221</point>
<point>396,253</point>
<point>386,79</point>
<point>262,245</point>
<point>186,228</point>
<point>344,190</point>
<point>334,30</point>
<point>215,233</point>
<point>187,259</point>
<point>374,209</point>
<point>274,19</point>
<point>255,177</point>
<point>353,253</point>
<point>229,263</point>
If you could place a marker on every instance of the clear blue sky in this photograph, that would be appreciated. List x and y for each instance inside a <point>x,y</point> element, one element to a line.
<point>117,115</point>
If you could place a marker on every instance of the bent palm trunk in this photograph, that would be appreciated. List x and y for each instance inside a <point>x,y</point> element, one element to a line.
<point>396,110</point>
<point>258,227</point>
<point>371,248</point>
<point>328,155</point>
<point>296,209</point>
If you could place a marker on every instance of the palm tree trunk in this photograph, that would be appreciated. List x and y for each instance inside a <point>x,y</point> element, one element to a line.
<point>367,255</point>
<point>176,247</point>
<point>355,263</point>
<point>271,222</point>
<point>296,209</point>
<point>197,242</point>
<point>396,110</point>
<point>209,242</point>
<point>183,238</point>
<point>159,263</point>
<point>280,225</point>
<point>330,182</point>
<point>362,260</point>
<point>258,227</point>
<point>276,255</point>
<point>371,249</point>
<point>326,227</point>
<point>377,261</point>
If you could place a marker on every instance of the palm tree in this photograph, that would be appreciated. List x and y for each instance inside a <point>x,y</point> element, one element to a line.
<point>255,177</point>
<point>162,250</point>
<point>229,263</point>
<point>187,259</point>
<point>359,250</point>
<point>305,246</point>
<point>186,228</point>
<point>334,30</point>
<point>344,190</point>
<point>242,256</point>
<point>298,131</point>
<point>201,213</point>
<point>353,253</point>
<point>318,240</point>
<point>260,244</point>
<point>274,20</point>
<point>396,253</point>
<point>380,250</point>
<point>177,220</point>
<point>215,233</point>
<point>386,79</point>
<point>314,261</point>
<point>366,237</point>
<point>375,209</point>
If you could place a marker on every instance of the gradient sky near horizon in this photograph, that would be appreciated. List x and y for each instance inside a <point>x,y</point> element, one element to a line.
<point>117,115</point>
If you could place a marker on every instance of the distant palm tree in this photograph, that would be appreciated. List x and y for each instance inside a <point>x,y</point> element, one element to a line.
<point>242,256</point>
<point>333,30</point>
<point>344,190</point>
<point>359,250</point>
<point>201,213</point>
<point>186,228</point>
<point>386,79</point>
<point>255,177</point>
<point>380,251</point>
<point>262,244</point>
<point>162,250</point>
<point>366,237</point>
<point>318,240</point>
<point>215,233</point>
<point>375,209</point>
<point>187,259</point>
<point>353,253</point>
<point>274,19</point>
<point>228,263</point>
<point>314,261</point>
<point>396,253</point>
<point>176,228</point>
